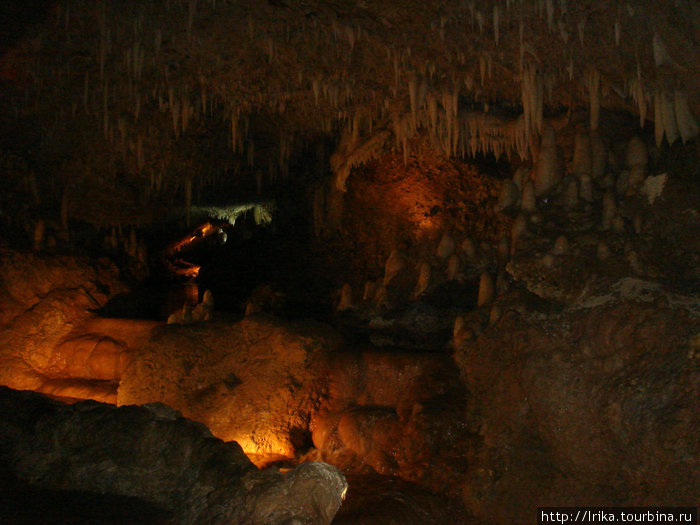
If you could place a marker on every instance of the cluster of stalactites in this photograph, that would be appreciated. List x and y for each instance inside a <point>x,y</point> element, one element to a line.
<point>136,66</point>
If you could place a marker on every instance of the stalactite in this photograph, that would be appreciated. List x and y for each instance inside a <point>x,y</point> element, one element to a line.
<point>550,14</point>
<point>532,99</point>
<point>592,79</point>
<point>496,23</point>
<point>658,119</point>
<point>687,125</point>
<point>669,117</point>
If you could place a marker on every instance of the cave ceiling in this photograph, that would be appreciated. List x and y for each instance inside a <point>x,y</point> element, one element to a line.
<point>160,93</point>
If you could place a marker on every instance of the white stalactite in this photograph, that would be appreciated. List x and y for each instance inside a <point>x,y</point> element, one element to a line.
<point>687,125</point>
<point>668,113</point>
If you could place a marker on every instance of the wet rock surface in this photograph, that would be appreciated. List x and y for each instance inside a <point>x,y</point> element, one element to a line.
<point>154,454</point>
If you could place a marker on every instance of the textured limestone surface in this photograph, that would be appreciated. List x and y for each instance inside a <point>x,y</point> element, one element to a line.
<point>156,455</point>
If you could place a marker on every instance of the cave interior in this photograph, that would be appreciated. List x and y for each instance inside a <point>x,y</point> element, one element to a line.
<point>444,255</point>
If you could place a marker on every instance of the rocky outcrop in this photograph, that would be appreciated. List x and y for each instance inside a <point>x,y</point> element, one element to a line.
<point>256,381</point>
<point>597,403</point>
<point>50,340</point>
<point>156,455</point>
<point>401,414</point>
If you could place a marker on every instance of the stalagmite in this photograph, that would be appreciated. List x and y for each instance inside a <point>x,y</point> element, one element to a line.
<point>494,315</point>
<point>609,209</point>
<point>394,264</point>
<point>204,310</point>
<point>603,251</point>
<point>469,251</point>
<point>561,245</point>
<point>593,84</point>
<point>687,125</point>
<point>510,193</point>
<point>582,161</point>
<point>446,247</point>
<point>453,265</point>
<point>599,155</point>
<point>517,231</point>
<point>622,183</point>
<point>585,190</point>
<point>547,260</point>
<point>345,302</point>
<point>661,55</point>
<point>571,194</point>
<point>520,176</point>
<point>528,202</point>
<point>424,276</point>
<point>486,289</point>
<point>548,169</point>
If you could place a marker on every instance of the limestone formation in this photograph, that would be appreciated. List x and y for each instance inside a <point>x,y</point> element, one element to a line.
<point>151,453</point>
<point>548,170</point>
<point>469,251</point>
<point>521,175</point>
<point>446,247</point>
<point>517,231</point>
<point>582,163</point>
<point>345,302</point>
<point>528,200</point>
<point>394,264</point>
<point>687,125</point>
<point>599,155</point>
<point>571,194</point>
<point>186,313</point>
<point>424,274</point>
<point>510,194</point>
<point>487,289</point>
<point>586,189</point>
<point>622,184</point>
<point>609,210</point>
<point>204,310</point>
<point>561,245</point>
<point>495,314</point>
<point>453,267</point>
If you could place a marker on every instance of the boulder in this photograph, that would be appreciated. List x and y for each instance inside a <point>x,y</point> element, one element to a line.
<point>154,454</point>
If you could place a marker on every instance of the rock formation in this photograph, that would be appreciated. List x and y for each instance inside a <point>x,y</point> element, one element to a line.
<point>154,454</point>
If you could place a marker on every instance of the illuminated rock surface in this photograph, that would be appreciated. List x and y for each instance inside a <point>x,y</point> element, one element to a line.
<point>303,161</point>
<point>153,454</point>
